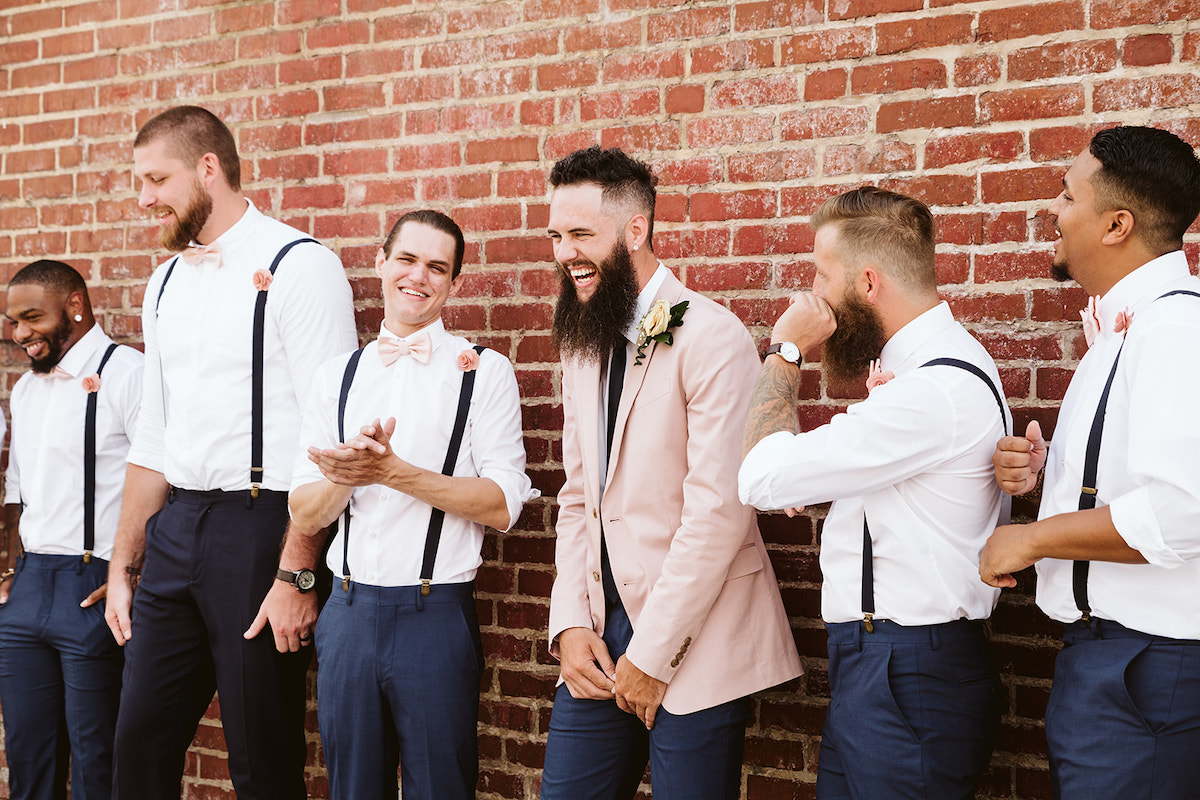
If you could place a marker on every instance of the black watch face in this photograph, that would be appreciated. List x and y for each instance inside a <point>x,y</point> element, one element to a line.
<point>305,580</point>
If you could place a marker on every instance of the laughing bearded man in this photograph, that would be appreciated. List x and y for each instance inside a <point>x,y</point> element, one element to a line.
<point>665,613</point>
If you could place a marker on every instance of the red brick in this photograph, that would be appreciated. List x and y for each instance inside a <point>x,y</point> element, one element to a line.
<point>771,239</point>
<point>945,150</point>
<point>521,183</point>
<point>746,204</point>
<point>1057,144</point>
<point>1165,91</point>
<point>773,14</point>
<point>717,131</point>
<point>289,11</point>
<point>17,52</point>
<point>342,34</point>
<point>556,10</point>
<point>981,306</point>
<point>244,17</point>
<point>776,166</point>
<point>921,32</point>
<point>407,26</point>
<point>1118,13</point>
<point>650,136</point>
<point>897,76</point>
<point>89,13</point>
<point>490,17</point>
<point>688,23</point>
<point>691,243</point>
<point>753,92</point>
<point>1057,60</point>
<point>827,45</point>
<point>619,105</point>
<point>561,144</point>
<point>733,56</point>
<point>821,123</point>
<point>825,85</point>
<point>1036,183</point>
<point>1030,20</point>
<point>68,44</point>
<point>520,45</point>
<point>507,150</point>
<point>276,43</point>
<point>35,21</point>
<point>1144,51</point>
<point>977,70</point>
<point>567,75</point>
<point>1035,103</point>
<point>643,66</point>
<point>1191,47</point>
<point>850,159</point>
<point>947,112</point>
<point>90,69</point>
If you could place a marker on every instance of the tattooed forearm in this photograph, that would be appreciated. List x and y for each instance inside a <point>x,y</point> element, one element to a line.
<point>773,407</point>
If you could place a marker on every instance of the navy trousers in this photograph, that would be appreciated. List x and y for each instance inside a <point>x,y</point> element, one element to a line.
<point>1123,722</point>
<point>913,711</point>
<point>210,560</point>
<point>399,683</point>
<point>57,658</point>
<point>596,751</point>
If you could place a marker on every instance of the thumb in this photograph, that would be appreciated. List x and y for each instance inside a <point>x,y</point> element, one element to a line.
<point>606,663</point>
<point>1033,432</point>
<point>95,596</point>
<point>389,427</point>
<point>256,627</point>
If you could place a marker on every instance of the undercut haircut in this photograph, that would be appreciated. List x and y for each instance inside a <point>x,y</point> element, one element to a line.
<point>190,132</point>
<point>890,230</point>
<point>434,219</point>
<point>1155,176</point>
<point>55,276</point>
<point>623,180</point>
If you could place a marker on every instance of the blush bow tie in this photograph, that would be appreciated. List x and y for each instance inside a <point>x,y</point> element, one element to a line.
<point>391,349</point>
<point>198,255</point>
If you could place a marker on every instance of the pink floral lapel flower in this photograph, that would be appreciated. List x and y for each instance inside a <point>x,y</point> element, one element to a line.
<point>1091,321</point>
<point>1124,320</point>
<point>262,279</point>
<point>91,383</point>
<point>468,360</point>
<point>878,376</point>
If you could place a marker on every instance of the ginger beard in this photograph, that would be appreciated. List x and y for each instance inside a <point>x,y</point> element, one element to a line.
<point>188,223</point>
<point>858,339</point>
<point>590,330</point>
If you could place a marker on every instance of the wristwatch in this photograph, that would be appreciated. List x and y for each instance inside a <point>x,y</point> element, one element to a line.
<point>303,579</point>
<point>785,350</point>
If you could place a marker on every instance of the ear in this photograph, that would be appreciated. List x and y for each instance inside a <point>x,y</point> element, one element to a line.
<point>455,285</point>
<point>1120,227</point>
<point>379,259</point>
<point>869,283</point>
<point>74,304</point>
<point>636,231</point>
<point>208,169</point>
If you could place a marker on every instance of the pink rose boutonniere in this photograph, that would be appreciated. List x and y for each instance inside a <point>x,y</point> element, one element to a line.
<point>91,383</point>
<point>468,360</point>
<point>878,376</point>
<point>262,279</point>
<point>1124,320</point>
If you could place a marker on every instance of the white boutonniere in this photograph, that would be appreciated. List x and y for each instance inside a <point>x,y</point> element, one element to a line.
<point>656,325</point>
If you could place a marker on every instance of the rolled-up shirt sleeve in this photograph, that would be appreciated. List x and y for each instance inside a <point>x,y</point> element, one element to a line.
<point>497,443</point>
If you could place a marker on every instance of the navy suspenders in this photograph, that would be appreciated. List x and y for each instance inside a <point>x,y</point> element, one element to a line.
<point>1091,460</point>
<point>437,516</point>
<point>256,380</point>
<point>89,463</point>
<point>868,571</point>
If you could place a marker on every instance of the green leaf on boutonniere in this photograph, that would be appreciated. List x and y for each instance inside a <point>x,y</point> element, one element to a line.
<point>666,337</point>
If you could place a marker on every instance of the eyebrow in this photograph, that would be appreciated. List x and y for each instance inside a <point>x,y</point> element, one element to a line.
<point>415,257</point>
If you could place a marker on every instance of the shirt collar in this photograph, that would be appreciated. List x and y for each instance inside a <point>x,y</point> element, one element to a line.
<point>904,342</point>
<point>75,359</point>
<point>240,231</point>
<point>646,299</point>
<point>1145,283</point>
<point>435,329</point>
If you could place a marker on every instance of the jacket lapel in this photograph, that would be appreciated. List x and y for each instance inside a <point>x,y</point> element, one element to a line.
<point>635,375</point>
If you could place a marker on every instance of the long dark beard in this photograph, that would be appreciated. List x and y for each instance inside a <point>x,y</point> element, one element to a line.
<point>189,222</point>
<point>858,339</point>
<point>54,347</point>
<point>588,330</point>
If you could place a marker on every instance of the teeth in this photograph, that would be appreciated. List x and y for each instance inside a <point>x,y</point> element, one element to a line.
<point>582,272</point>
<point>414,293</point>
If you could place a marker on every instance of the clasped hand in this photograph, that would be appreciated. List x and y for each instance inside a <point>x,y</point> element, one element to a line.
<point>362,460</point>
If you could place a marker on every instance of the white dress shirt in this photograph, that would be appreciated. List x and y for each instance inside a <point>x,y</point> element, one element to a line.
<point>917,456</point>
<point>388,528</point>
<point>1149,465</point>
<point>645,300</point>
<point>45,459</point>
<point>195,421</point>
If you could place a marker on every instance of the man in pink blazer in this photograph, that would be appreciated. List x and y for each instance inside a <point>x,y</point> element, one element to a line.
<point>665,613</point>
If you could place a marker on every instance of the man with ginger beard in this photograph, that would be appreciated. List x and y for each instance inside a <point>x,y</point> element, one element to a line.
<point>914,702</point>
<point>235,325</point>
<point>665,613</point>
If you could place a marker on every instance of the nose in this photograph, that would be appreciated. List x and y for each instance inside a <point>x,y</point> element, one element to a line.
<point>20,331</point>
<point>565,252</point>
<point>146,196</point>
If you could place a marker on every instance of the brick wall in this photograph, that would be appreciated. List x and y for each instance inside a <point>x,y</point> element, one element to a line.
<point>348,112</point>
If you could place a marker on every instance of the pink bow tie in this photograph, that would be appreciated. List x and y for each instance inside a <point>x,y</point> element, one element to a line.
<point>199,255</point>
<point>391,349</point>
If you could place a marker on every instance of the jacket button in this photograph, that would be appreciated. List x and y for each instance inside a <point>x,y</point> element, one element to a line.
<point>687,641</point>
<point>595,576</point>
<point>594,514</point>
<point>675,662</point>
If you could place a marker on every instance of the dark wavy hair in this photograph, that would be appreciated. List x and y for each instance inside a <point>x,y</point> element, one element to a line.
<point>622,179</point>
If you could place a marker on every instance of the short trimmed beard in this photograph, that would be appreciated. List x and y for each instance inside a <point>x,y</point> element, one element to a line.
<point>1061,271</point>
<point>858,340</point>
<point>188,222</point>
<point>589,330</point>
<point>54,347</point>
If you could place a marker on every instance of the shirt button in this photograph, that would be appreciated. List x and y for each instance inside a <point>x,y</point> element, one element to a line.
<point>595,576</point>
<point>594,514</point>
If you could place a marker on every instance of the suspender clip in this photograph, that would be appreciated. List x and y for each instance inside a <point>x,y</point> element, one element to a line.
<point>424,587</point>
<point>87,556</point>
<point>1087,490</point>
<point>254,491</point>
<point>1086,618</point>
<point>346,584</point>
<point>868,626</point>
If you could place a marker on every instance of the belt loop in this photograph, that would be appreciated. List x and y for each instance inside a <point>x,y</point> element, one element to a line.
<point>858,637</point>
<point>250,495</point>
<point>935,637</point>
<point>171,495</point>
<point>420,599</point>
<point>348,585</point>
<point>79,564</point>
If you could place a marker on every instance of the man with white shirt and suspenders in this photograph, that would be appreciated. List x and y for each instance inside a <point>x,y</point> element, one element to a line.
<point>913,690</point>
<point>1117,540</point>
<point>234,327</point>
<point>73,418</point>
<point>414,442</point>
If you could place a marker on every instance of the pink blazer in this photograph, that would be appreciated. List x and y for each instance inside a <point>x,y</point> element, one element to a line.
<point>686,555</point>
